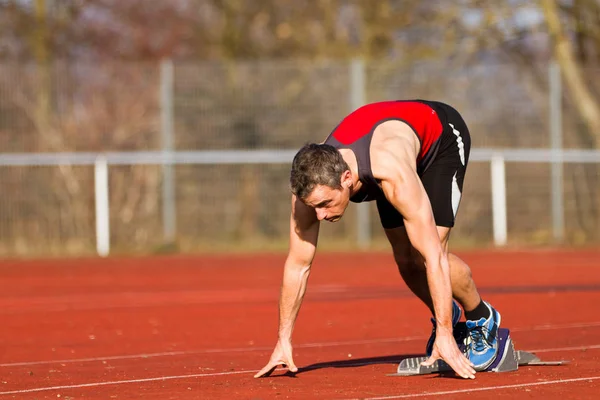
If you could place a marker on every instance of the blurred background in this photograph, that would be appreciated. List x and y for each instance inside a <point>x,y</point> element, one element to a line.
<point>168,126</point>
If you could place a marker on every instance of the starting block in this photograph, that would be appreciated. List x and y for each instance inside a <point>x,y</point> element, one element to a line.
<point>508,359</point>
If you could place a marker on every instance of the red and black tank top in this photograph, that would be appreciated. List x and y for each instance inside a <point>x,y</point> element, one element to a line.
<point>356,130</point>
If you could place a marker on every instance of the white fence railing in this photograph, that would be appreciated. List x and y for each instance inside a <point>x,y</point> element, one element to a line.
<point>496,157</point>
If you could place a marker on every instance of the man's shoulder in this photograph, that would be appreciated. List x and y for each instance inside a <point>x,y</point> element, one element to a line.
<point>393,150</point>
<point>396,136</point>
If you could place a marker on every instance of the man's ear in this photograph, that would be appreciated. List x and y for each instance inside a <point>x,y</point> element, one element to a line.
<point>347,178</point>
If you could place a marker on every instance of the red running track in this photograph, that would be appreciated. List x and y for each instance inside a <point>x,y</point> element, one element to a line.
<point>199,328</point>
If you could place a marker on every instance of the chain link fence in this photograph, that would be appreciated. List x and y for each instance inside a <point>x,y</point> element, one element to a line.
<point>275,105</point>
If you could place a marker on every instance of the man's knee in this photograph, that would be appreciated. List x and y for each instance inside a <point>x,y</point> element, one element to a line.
<point>460,269</point>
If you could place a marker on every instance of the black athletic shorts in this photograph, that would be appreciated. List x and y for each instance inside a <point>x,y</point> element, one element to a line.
<point>443,179</point>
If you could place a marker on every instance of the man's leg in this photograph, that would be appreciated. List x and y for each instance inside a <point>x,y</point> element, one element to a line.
<point>412,269</point>
<point>482,319</point>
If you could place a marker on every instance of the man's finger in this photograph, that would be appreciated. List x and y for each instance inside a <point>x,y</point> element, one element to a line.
<point>429,362</point>
<point>468,365</point>
<point>266,371</point>
<point>462,368</point>
<point>471,370</point>
<point>291,366</point>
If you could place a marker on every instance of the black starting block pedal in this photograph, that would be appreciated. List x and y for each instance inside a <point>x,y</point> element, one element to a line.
<point>508,359</point>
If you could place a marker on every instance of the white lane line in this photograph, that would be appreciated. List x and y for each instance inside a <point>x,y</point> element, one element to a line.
<point>305,345</point>
<point>573,348</point>
<point>164,378</point>
<point>547,327</point>
<point>208,351</point>
<point>392,360</point>
<point>322,365</point>
<point>95,384</point>
<point>481,389</point>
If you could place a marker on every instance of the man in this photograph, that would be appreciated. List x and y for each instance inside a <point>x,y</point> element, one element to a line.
<point>411,158</point>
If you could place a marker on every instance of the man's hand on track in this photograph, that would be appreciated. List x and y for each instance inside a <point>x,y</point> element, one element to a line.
<point>282,355</point>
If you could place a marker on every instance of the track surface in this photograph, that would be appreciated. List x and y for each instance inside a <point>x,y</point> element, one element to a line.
<point>199,328</point>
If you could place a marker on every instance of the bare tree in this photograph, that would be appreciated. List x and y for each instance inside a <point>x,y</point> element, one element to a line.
<point>587,106</point>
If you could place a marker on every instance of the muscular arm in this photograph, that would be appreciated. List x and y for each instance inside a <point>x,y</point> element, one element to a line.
<point>396,167</point>
<point>406,193</point>
<point>304,232</point>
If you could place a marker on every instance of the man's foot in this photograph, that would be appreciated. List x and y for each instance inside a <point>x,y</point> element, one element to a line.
<point>456,314</point>
<point>482,346</point>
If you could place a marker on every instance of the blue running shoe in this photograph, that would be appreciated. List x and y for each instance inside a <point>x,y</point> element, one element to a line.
<point>482,343</point>
<point>456,314</point>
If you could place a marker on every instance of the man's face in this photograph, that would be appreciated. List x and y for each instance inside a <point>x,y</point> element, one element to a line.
<point>329,204</point>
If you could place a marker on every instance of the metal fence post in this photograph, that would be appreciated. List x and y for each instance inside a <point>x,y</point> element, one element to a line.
<point>102,206</point>
<point>556,143</point>
<point>166,119</point>
<point>499,199</point>
<point>357,99</point>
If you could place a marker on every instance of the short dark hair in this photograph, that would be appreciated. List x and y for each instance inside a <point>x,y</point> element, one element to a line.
<point>316,164</point>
